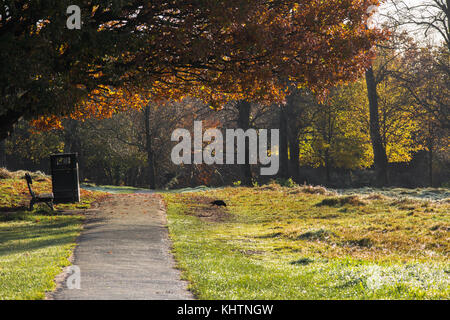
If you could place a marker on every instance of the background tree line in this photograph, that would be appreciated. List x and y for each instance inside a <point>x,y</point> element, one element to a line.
<point>323,142</point>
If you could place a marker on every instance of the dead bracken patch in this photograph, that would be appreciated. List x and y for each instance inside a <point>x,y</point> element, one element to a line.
<point>406,204</point>
<point>270,187</point>
<point>362,243</point>
<point>312,235</point>
<point>305,189</point>
<point>20,174</point>
<point>375,196</point>
<point>5,174</point>
<point>201,207</point>
<point>341,201</point>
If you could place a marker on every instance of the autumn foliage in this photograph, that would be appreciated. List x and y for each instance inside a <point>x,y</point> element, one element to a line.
<point>216,51</point>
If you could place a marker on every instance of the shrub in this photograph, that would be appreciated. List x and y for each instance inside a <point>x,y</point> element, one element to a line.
<point>5,174</point>
<point>311,190</point>
<point>289,183</point>
<point>314,189</point>
<point>20,174</point>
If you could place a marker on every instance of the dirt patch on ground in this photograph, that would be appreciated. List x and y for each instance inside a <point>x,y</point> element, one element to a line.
<point>201,207</point>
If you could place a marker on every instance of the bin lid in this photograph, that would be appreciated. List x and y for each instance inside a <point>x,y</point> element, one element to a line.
<point>64,154</point>
<point>64,159</point>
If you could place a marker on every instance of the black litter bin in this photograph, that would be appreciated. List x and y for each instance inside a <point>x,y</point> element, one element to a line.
<point>65,182</point>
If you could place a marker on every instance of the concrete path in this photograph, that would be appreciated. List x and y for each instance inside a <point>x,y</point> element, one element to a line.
<point>123,253</point>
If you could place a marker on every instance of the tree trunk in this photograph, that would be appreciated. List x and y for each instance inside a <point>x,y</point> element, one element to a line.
<point>379,152</point>
<point>327,166</point>
<point>244,108</point>
<point>3,153</point>
<point>150,155</point>
<point>284,159</point>
<point>294,151</point>
<point>7,122</point>
<point>430,165</point>
<point>293,138</point>
<point>72,141</point>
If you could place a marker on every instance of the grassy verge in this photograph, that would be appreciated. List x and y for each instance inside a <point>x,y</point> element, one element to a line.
<point>113,189</point>
<point>35,246</point>
<point>302,243</point>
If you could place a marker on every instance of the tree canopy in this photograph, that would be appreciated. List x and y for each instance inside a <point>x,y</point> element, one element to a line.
<point>215,50</point>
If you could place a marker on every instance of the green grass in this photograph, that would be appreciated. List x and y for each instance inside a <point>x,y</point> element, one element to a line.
<point>284,243</point>
<point>33,250</point>
<point>35,246</point>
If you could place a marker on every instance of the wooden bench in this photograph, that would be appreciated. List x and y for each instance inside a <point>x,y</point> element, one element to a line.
<point>46,198</point>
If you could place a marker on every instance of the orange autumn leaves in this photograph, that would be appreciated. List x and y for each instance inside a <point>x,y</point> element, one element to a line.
<point>254,50</point>
<point>101,103</point>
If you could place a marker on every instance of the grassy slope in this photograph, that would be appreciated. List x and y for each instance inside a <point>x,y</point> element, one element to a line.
<point>280,243</point>
<point>34,246</point>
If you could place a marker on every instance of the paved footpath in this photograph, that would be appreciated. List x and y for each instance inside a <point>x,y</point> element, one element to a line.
<point>124,253</point>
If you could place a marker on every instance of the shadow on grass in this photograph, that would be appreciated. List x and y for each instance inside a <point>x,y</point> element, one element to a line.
<point>49,228</point>
<point>21,247</point>
<point>302,262</point>
<point>24,231</point>
<point>13,209</point>
<point>270,235</point>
